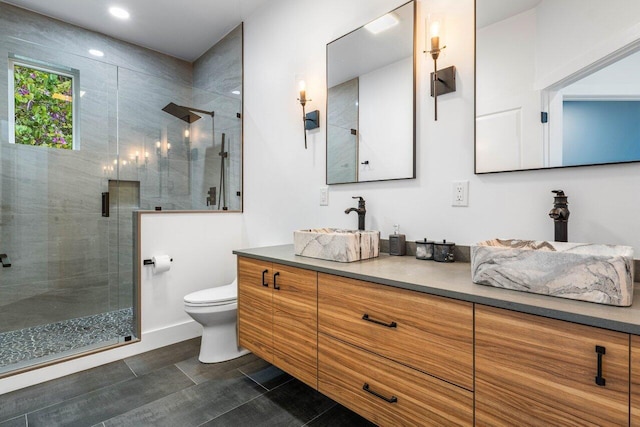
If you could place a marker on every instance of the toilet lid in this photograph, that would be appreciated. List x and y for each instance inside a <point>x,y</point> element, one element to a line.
<point>220,294</point>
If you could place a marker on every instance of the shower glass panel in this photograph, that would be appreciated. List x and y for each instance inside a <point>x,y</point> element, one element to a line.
<point>70,285</point>
<point>176,162</point>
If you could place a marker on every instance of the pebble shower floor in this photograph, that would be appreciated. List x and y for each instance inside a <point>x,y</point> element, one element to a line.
<point>37,342</point>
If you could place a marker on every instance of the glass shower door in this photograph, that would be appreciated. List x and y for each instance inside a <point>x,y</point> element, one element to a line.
<point>61,295</point>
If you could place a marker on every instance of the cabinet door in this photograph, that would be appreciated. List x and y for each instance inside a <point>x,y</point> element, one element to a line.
<point>295,322</point>
<point>635,380</point>
<point>255,319</point>
<point>531,370</point>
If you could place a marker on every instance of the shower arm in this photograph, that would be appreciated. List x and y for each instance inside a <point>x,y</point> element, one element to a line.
<point>196,110</point>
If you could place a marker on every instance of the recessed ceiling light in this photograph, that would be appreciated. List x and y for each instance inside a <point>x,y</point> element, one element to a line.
<point>235,92</point>
<point>383,23</point>
<point>118,12</point>
<point>96,52</point>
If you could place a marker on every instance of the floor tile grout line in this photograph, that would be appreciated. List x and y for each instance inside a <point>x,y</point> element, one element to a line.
<point>319,415</point>
<point>12,418</point>
<point>130,368</point>
<point>284,383</point>
<point>232,409</point>
<point>185,374</point>
<point>240,370</point>
<point>250,400</point>
<point>87,393</point>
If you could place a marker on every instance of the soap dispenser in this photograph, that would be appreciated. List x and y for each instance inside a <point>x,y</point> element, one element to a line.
<point>397,244</point>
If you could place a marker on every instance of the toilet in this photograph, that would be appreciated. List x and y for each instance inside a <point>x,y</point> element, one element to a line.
<point>216,310</point>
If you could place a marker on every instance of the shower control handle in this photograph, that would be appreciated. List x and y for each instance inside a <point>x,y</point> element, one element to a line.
<point>5,261</point>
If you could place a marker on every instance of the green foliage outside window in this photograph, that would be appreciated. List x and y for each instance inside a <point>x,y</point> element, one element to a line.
<point>43,108</point>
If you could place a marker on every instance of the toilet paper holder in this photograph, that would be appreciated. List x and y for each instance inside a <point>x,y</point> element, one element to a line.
<point>150,261</point>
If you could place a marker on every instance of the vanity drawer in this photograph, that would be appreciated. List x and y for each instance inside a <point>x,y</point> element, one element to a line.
<point>429,333</point>
<point>397,394</point>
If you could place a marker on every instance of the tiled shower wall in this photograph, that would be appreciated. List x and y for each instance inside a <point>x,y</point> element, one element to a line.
<point>217,82</point>
<point>69,260</point>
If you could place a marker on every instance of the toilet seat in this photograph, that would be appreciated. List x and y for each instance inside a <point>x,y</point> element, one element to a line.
<point>221,295</point>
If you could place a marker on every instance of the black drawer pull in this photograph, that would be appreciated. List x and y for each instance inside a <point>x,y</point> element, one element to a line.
<point>263,282</point>
<point>391,399</point>
<point>275,283</point>
<point>601,352</point>
<point>378,322</point>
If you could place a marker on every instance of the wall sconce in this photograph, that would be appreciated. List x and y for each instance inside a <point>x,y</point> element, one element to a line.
<point>443,81</point>
<point>310,120</point>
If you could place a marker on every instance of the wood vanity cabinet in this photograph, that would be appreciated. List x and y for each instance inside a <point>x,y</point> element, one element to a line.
<point>532,370</point>
<point>397,357</point>
<point>635,380</point>
<point>277,316</point>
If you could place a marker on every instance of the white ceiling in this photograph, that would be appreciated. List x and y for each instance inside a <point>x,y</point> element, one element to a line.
<point>360,51</point>
<point>491,11</point>
<point>184,28</point>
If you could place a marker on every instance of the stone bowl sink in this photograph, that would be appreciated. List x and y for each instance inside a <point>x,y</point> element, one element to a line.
<point>333,244</point>
<point>587,272</point>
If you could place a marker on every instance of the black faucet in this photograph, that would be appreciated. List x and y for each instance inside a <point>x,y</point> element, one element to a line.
<point>560,214</point>
<point>361,212</point>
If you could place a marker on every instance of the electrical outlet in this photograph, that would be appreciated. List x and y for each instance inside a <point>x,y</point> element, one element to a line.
<point>324,196</point>
<point>460,193</point>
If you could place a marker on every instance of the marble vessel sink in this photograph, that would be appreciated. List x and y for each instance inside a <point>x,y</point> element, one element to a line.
<point>333,244</point>
<point>587,272</point>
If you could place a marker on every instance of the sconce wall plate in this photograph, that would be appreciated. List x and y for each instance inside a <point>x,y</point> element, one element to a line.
<point>446,81</point>
<point>312,120</point>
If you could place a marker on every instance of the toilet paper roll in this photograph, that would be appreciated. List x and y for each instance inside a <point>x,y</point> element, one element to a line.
<point>161,264</point>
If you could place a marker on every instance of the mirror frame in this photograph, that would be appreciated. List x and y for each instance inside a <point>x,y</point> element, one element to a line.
<point>475,108</point>
<point>413,101</point>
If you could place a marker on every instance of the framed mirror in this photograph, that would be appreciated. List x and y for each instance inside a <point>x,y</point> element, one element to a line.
<point>371,101</point>
<point>556,84</point>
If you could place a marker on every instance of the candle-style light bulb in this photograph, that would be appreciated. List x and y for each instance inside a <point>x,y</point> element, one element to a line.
<point>435,35</point>
<point>303,93</point>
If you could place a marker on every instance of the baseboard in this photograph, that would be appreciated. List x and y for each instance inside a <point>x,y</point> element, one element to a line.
<point>151,340</point>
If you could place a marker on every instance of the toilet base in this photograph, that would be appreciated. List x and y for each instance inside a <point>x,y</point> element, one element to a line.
<point>212,349</point>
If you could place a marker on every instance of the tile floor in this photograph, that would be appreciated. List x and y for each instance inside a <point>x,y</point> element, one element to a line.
<point>37,344</point>
<point>170,387</point>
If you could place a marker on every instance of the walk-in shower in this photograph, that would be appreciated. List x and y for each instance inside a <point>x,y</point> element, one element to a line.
<point>69,200</point>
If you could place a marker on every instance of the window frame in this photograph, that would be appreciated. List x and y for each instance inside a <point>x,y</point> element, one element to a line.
<point>35,64</point>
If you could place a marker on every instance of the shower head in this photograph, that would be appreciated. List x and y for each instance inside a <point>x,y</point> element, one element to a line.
<point>183,113</point>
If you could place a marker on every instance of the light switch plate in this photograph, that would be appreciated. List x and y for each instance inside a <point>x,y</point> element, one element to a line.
<point>324,196</point>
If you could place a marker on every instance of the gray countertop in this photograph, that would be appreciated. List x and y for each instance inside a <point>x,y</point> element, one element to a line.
<point>453,280</point>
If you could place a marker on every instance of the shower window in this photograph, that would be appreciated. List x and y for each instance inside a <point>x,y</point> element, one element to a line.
<point>43,104</point>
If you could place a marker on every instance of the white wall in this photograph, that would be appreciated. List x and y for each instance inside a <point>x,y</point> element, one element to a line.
<point>282,180</point>
<point>201,245</point>
<point>508,130</point>
<point>385,126</point>
<point>573,34</point>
